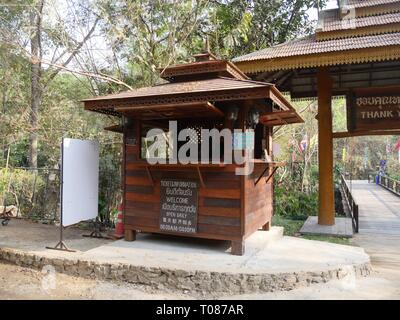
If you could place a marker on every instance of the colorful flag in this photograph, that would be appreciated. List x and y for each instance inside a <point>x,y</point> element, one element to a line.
<point>304,143</point>
<point>388,148</point>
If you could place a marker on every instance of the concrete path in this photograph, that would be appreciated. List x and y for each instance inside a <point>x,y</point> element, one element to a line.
<point>204,267</point>
<point>379,234</point>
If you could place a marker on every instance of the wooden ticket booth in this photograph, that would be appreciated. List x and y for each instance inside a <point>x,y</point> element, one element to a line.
<point>203,199</point>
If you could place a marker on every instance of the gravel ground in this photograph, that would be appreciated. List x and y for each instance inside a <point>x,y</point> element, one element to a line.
<point>23,283</point>
<point>17,283</point>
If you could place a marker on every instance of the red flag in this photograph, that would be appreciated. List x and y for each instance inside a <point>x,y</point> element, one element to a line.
<point>397,147</point>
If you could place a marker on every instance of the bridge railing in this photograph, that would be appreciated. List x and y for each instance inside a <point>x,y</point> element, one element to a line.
<point>390,184</point>
<point>353,206</point>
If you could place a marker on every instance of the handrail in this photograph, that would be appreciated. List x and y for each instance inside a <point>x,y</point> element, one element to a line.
<point>353,206</point>
<point>390,184</point>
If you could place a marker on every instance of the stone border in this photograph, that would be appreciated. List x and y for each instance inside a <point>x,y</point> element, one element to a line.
<point>189,281</point>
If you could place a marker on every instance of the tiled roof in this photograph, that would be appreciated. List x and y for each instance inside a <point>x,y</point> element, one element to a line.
<point>217,84</point>
<point>308,46</point>
<point>188,95</point>
<point>369,3</point>
<point>372,35</point>
<point>334,23</point>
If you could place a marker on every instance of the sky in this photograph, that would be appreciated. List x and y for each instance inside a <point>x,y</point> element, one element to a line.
<point>314,12</point>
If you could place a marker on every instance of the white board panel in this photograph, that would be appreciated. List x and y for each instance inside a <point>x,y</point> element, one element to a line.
<point>80,190</point>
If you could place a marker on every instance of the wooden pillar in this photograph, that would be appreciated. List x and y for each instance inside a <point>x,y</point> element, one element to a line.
<point>132,140</point>
<point>326,210</point>
<point>130,235</point>
<point>237,248</point>
<point>269,131</point>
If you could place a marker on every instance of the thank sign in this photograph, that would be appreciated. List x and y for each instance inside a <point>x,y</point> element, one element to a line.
<point>374,109</point>
<point>179,206</point>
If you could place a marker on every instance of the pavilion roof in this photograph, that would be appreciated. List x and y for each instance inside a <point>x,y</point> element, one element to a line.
<point>309,52</point>
<point>338,40</point>
<point>188,94</point>
<point>368,7</point>
<point>333,22</point>
<point>174,88</point>
<point>198,89</point>
<point>367,3</point>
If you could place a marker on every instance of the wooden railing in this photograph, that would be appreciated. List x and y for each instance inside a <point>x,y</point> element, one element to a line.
<point>390,184</point>
<point>353,206</point>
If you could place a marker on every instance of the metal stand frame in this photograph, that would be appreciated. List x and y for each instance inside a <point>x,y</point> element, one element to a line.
<point>61,246</point>
<point>96,233</point>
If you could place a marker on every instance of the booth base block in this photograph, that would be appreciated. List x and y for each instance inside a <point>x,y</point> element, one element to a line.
<point>238,248</point>
<point>266,226</point>
<point>130,235</point>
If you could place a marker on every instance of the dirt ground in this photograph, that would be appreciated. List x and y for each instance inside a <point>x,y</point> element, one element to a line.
<point>17,283</point>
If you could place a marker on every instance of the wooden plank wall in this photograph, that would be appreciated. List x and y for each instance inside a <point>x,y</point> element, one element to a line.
<point>219,215</point>
<point>258,201</point>
<point>223,200</point>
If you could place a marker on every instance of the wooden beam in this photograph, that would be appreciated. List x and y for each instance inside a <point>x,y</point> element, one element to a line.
<point>166,111</point>
<point>115,128</point>
<point>326,210</point>
<point>338,135</point>
<point>280,118</point>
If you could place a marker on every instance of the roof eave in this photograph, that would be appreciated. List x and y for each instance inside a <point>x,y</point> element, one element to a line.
<point>354,56</point>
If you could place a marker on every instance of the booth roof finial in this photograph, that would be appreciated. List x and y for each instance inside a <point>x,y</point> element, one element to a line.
<point>206,45</point>
<point>205,54</point>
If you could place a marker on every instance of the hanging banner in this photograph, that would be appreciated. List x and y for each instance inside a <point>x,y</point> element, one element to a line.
<point>372,109</point>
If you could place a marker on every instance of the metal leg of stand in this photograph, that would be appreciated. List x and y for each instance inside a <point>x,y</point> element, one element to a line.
<point>96,233</point>
<point>61,246</point>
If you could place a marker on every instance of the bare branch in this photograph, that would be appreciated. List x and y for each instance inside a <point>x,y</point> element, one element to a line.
<point>73,54</point>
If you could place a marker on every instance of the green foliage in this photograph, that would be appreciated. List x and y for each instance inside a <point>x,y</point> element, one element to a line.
<point>295,204</point>
<point>291,227</point>
<point>338,240</point>
<point>35,193</point>
<point>238,27</point>
<point>393,170</point>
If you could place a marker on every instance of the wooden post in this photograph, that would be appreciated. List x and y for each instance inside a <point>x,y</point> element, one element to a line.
<point>132,138</point>
<point>237,247</point>
<point>269,146</point>
<point>326,211</point>
<point>130,235</point>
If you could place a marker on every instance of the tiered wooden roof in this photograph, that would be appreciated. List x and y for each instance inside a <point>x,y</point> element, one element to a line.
<point>363,35</point>
<point>193,90</point>
<point>339,39</point>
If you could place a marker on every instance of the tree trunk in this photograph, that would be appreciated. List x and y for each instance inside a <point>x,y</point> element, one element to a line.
<point>36,91</point>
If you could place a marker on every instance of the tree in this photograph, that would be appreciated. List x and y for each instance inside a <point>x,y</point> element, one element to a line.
<point>149,35</point>
<point>238,27</point>
<point>45,36</point>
